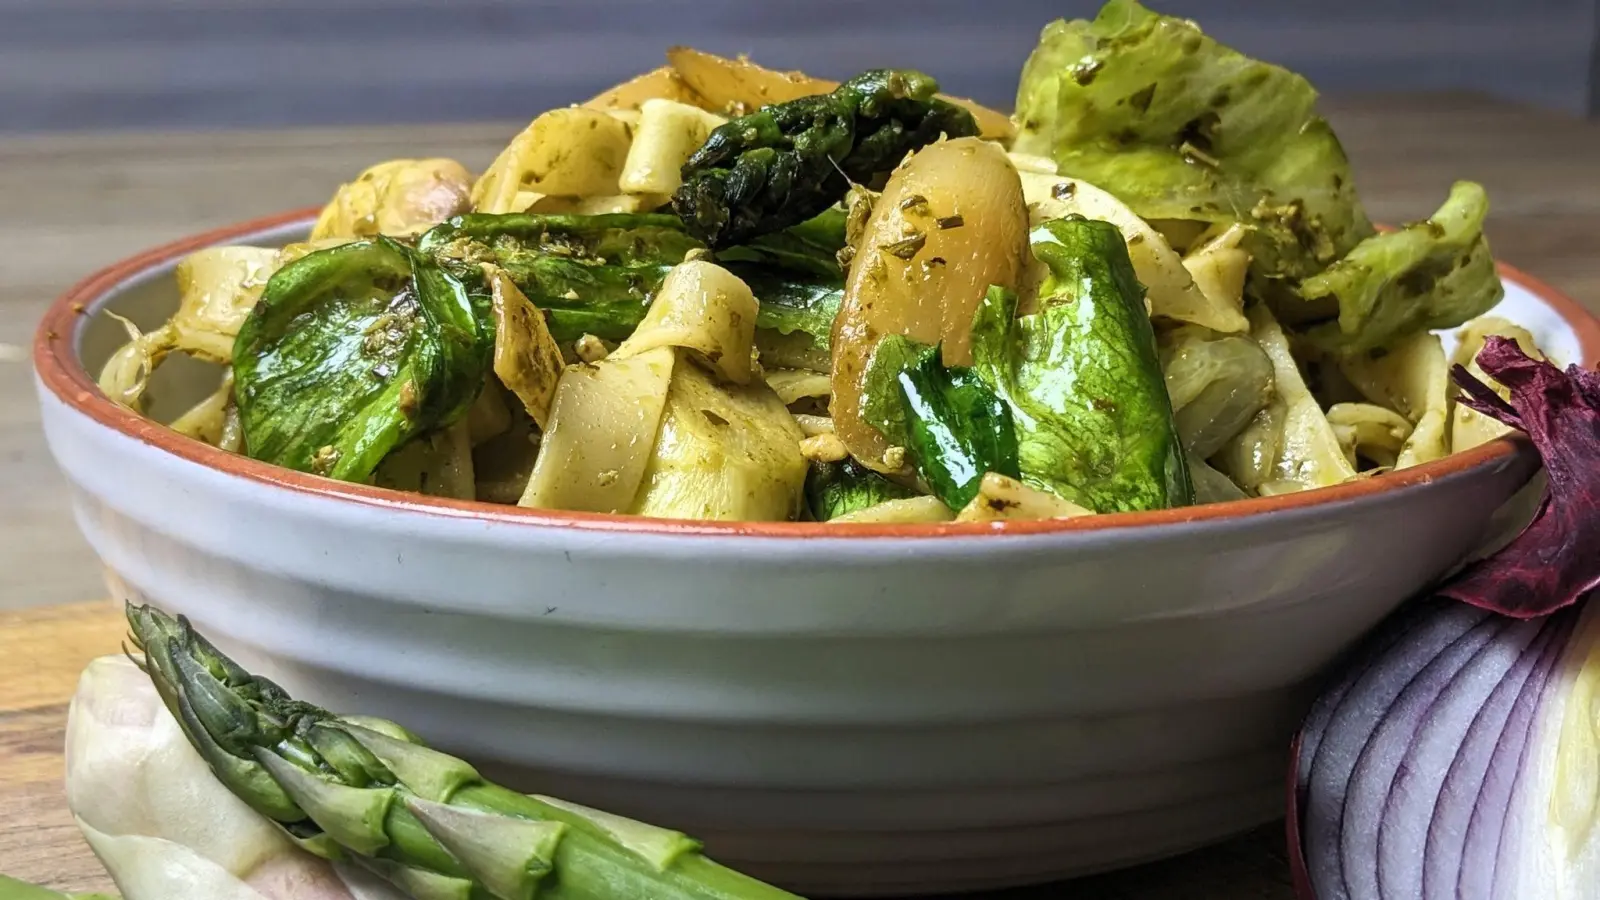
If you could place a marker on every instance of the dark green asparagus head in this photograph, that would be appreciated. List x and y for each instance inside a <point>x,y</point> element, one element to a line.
<point>233,718</point>
<point>364,792</point>
<point>787,162</point>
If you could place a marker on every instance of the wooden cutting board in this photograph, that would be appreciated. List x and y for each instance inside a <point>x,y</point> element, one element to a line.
<point>42,651</point>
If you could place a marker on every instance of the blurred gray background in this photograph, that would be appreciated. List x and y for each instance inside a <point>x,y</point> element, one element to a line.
<point>93,64</point>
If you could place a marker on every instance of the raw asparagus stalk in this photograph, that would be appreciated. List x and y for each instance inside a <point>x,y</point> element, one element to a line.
<point>368,791</point>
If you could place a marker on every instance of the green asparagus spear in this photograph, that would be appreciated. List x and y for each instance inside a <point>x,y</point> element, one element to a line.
<point>787,162</point>
<point>596,274</point>
<point>370,792</point>
<point>12,889</point>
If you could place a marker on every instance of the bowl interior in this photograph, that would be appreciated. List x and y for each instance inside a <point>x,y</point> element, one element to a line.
<point>148,299</point>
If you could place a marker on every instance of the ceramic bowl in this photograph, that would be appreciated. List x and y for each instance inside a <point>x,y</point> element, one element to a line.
<point>904,709</point>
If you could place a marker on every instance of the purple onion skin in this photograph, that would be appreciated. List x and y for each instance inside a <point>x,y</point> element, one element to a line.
<point>1380,758</point>
<point>1348,730</point>
<point>1410,807</point>
<point>1443,857</point>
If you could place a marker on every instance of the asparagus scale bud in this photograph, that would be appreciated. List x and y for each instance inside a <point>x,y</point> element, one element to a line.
<point>369,792</point>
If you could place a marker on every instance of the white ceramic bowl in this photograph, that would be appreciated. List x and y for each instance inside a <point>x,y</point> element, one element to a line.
<point>906,709</point>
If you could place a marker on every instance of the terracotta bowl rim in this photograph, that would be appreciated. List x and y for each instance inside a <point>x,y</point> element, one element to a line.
<point>61,373</point>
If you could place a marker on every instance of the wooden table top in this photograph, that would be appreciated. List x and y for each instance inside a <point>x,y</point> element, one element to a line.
<point>72,203</point>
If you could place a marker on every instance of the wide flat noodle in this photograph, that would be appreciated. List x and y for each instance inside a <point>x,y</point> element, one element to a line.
<point>570,152</point>
<point>667,135</point>
<point>705,308</point>
<point>1413,379</point>
<point>724,452</point>
<point>1171,291</point>
<point>438,464</point>
<point>909,511</point>
<point>1001,498</point>
<point>602,432</point>
<point>1468,427</point>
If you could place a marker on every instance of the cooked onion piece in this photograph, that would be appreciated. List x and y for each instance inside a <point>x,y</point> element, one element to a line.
<point>399,198</point>
<point>127,372</point>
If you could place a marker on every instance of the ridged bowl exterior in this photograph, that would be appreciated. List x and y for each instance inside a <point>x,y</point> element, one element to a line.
<point>842,715</point>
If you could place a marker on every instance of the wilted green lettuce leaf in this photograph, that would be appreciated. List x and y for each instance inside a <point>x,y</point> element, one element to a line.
<point>1082,376</point>
<point>351,351</point>
<point>1180,127</point>
<point>881,405</point>
<point>950,422</point>
<point>791,304</point>
<point>835,489</point>
<point>958,429</point>
<point>1436,273</point>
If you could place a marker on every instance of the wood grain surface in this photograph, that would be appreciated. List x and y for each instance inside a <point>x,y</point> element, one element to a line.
<point>70,204</point>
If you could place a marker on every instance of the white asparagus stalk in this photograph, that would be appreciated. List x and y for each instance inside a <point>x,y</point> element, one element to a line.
<point>161,823</point>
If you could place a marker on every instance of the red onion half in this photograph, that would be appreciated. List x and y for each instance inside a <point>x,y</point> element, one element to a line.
<point>1457,757</point>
